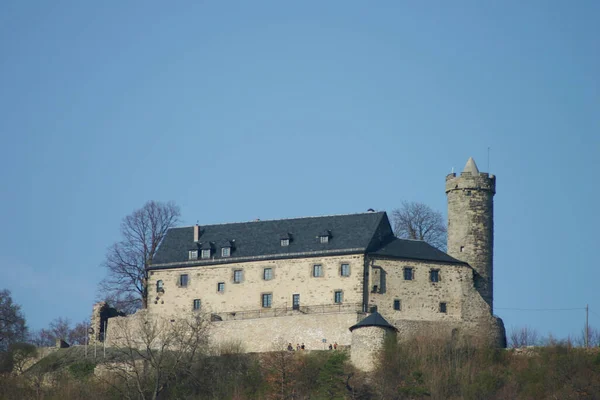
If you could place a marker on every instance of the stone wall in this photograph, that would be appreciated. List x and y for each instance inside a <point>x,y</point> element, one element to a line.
<point>467,314</point>
<point>291,276</point>
<point>253,335</point>
<point>269,334</point>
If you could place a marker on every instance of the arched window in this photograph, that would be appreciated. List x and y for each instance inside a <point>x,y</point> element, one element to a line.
<point>159,286</point>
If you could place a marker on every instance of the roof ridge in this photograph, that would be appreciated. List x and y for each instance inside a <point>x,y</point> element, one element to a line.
<point>282,219</point>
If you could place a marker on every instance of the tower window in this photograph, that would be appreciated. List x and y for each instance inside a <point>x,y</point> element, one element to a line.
<point>434,275</point>
<point>443,308</point>
<point>397,305</point>
<point>408,273</point>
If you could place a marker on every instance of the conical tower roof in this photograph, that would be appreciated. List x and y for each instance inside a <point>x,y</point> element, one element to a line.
<point>471,167</point>
<point>375,319</point>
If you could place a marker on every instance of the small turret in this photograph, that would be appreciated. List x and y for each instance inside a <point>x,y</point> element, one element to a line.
<point>368,339</point>
<point>471,224</point>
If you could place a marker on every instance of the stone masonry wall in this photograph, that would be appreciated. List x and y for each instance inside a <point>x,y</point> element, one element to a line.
<point>420,298</point>
<point>291,276</point>
<point>254,335</point>
<point>269,334</point>
<point>467,314</point>
<point>367,342</point>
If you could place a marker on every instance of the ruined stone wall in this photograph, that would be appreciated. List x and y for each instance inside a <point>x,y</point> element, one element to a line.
<point>291,276</point>
<point>471,226</point>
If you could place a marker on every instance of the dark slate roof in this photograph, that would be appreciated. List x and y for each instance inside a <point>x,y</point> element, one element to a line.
<point>413,250</point>
<point>375,319</point>
<point>352,233</point>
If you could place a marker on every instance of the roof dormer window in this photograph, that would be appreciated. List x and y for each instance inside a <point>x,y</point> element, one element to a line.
<point>193,254</point>
<point>324,236</point>
<point>205,253</point>
<point>285,239</point>
<point>225,251</point>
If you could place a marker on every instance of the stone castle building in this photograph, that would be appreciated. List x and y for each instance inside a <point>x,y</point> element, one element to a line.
<point>308,280</point>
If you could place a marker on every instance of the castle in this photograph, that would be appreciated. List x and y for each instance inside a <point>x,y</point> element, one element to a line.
<point>308,280</point>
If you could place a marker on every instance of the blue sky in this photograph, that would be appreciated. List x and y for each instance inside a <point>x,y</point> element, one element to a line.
<point>269,109</point>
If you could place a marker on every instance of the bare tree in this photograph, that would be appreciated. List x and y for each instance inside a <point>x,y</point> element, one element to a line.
<point>593,337</point>
<point>12,322</point>
<point>60,328</point>
<point>142,231</point>
<point>418,221</point>
<point>523,337</point>
<point>155,352</point>
<point>42,338</point>
<point>22,356</point>
<point>79,333</point>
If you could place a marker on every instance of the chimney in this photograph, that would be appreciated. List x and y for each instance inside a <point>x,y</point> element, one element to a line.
<point>196,233</point>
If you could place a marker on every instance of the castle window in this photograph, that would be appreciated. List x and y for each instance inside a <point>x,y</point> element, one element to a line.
<point>183,280</point>
<point>397,305</point>
<point>268,274</point>
<point>338,297</point>
<point>317,270</point>
<point>221,287</point>
<point>462,248</point>
<point>193,254</point>
<point>345,270</point>
<point>285,242</point>
<point>226,252</point>
<point>468,193</point>
<point>324,236</point>
<point>238,276</point>
<point>408,274</point>
<point>443,308</point>
<point>434,275</point>
<point>205,253</point>
<point>196,304</point>
<point>159,286</point>
<point>267,299</point>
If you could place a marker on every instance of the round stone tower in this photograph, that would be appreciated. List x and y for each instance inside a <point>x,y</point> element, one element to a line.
<point>368,340</point>
<point>471,224</point>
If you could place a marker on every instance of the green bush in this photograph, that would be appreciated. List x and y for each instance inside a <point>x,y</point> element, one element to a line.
<point>82,369</point>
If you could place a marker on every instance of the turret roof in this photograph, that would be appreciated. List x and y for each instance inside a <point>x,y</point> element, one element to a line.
<point>375,319</point>
<point>471,167</point>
